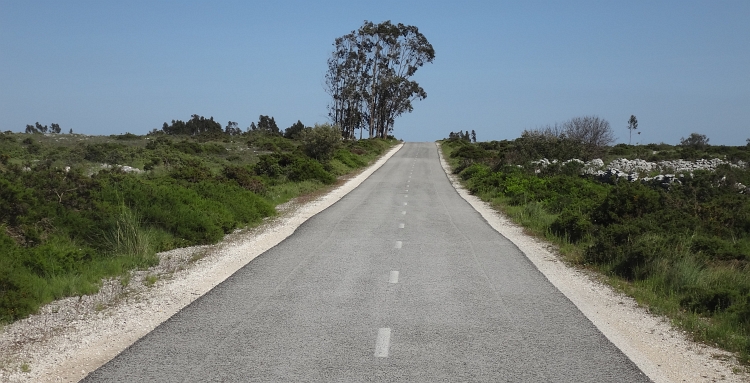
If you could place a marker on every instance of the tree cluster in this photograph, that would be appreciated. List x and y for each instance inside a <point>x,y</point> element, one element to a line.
<point>266,124</point>
<point>41,129</point>
<point>368,76</point>
<point>197,125</point>
<point>463,136</point>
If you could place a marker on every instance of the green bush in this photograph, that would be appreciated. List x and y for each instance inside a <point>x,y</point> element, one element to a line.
<point>321,141</point>
<point>303,169</point>
<point>349,159</point>
<point>572,225</point>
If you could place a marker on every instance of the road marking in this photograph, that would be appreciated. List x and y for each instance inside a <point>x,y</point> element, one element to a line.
<point>393,278</point>
<point>383,343</point>
<point>404,203</point>
<point>400,225</point>
<point>403,212</point>
<point>398,244</point>
<point>406,196</point>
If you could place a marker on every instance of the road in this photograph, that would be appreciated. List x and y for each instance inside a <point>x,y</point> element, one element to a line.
<point>401,280</point>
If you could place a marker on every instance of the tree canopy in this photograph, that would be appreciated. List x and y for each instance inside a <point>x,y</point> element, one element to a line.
<point>195,126</point>
<point>369,75</point>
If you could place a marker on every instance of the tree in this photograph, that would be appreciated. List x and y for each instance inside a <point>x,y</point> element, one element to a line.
<point>368,76</point>
<point>321,141</point>
<point>592,132</point>
<point>473,136</point>
<point>294,131</point>
<point>632,125</point>
<point>266,124</point>
<point>197,125</point>
<point>55,128</point>
<point>232,129</point>
<point>695,141</point>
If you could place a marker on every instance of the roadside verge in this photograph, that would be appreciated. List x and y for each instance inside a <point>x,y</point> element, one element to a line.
<point>72,337</point>
<point>661,352</point>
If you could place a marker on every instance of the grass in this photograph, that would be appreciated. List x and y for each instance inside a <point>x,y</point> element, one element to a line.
<point>150,280</point>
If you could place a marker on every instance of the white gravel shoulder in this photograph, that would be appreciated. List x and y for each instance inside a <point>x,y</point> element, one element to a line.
<point>663,353</point>
<point>71,337</point>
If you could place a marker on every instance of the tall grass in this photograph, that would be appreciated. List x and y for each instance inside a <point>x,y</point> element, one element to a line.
<point>128,237</point>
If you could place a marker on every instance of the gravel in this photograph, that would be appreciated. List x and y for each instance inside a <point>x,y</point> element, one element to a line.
<point>69,338</point>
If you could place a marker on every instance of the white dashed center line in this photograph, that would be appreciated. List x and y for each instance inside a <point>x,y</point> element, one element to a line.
<point>398,244</point>
<point>383,343</point>
<point>400,225</point>
<point>393,278</point>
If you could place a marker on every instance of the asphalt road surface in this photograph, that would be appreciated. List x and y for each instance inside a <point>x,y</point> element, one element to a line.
<point>401,280</point>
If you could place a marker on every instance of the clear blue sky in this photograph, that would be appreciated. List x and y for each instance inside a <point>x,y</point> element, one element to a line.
<point>110,67</point>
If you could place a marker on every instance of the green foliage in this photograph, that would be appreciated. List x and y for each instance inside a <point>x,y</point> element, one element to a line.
<point>66,222</point>
<point>349,159</point>
<point>684,249</point>
<point>369,89</point>
<point>303,169</point>
<point>294,131</point>
<point>321,141</point>
<point>197,125</point>
<point>572,225</point>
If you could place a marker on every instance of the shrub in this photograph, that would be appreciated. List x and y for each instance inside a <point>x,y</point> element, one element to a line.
<point>572,225</point>
<point>321,141</point>
<point>191,170</point>
<point>303,169</point>
<point>245,178</point>
<point>349,159</point>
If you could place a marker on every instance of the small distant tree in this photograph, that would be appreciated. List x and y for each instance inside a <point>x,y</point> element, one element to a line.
<point>30,129</point>
<point>267,124</point>
<point>594,133</point>
<point>473,136</point>
<point>295,130</point>
<point>632,125</point>
<point>232,129</point>
<point>695,141</point>
<point>55,128</point>
<point>71,131</point>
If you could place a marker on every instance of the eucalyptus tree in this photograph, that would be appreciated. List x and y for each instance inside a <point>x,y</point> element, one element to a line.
<point>632,125</point>
<point>369,75</point>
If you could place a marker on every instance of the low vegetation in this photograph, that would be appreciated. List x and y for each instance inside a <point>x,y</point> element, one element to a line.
<point>681,248</point>
<point>75,209</point>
